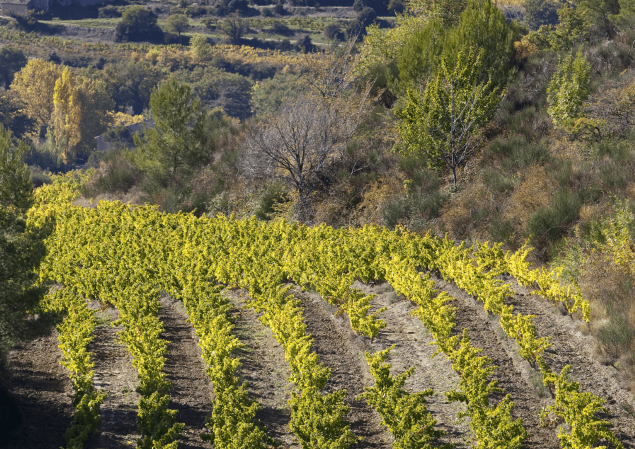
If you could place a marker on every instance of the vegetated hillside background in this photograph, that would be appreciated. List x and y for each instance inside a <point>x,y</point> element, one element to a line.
<point>550,165</point>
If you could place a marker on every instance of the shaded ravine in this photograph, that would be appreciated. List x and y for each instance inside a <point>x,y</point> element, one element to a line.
<point>115,375</point>
<point>191,393</point>
<point>341,350</point>
<point>412,348</point>
<point>265,370</point>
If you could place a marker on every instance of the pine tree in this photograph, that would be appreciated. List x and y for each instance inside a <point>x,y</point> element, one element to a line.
<point>173,144</point>
<point>20,246</point>
<point>625,19</point>
<point>481,26</point>
<point>599,13</point>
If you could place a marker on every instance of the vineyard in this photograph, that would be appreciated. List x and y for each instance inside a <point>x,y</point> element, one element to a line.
<point>445,345</point>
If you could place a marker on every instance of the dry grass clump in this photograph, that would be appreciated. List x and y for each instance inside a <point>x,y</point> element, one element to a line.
<point>535,191</point>
<point>335,206</point>
<point>375,196</point>
<point>466,215</point>
<point>611,292</point>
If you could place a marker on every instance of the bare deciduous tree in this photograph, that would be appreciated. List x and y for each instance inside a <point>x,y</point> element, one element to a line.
<point>308,132</point>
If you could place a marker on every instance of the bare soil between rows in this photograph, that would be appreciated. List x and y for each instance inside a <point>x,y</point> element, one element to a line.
<point>43,392</point>
<point>513,374</point>
<point>413,349</point>
<point>264,369</point>
<point>115,375</point>
<point>571,347</point>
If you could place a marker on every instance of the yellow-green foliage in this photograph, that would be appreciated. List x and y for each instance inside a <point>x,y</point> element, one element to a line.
<point>568,90</point>
<point>125,254</point>
<point>405,414</point>
<point>75,334</point>
<point>579,410</point>
<point>492,426</point>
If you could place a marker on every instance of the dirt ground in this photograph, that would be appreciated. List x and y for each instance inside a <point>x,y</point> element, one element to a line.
<point>412,348</point>
<point>572,347</point>
<point>41,387</point>
<point>343,351</point>
<point>191,392</point>
<point>265,370</point>
<point>511,372</point>
<point>115,375</point>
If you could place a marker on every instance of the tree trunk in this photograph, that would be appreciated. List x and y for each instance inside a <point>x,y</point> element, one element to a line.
<point>454,175</point>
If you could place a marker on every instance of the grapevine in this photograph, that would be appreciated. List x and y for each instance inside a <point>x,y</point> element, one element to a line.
<point>127,255</point>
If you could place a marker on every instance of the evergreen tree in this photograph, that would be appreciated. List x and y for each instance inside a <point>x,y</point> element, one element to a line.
<point>481,26</point>
<point>21,247</point>
<point>599,14</point>
<point>625,19</point>
<point>173,145</point>
<point>571,30</point>
<point>138,24</point>
<point>11,61</point>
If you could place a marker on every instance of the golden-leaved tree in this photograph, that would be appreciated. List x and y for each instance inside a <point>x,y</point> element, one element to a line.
<point>96,114</point>
<point>67,115</point>
<point>76,108</point>
<point>35,85</point>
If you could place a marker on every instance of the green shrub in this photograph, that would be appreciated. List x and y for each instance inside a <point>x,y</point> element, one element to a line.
<point>617,150</point>
<point>548,224</point>
<point>273,195</point>
<point>501,230</point>
<point>517,153</point>
<point>561,171</point>
<point>423,199</point>
<point>333,32</point>
<point>616,335</point>
<point>498,181</point>
<point>119,176</point>
<point>195,11</point>
<point>613,175</point>
<point>39,178</point>
<point>108,12</point>
<point>395,212</point>
<point>138,24</point>
<point>503,146</point>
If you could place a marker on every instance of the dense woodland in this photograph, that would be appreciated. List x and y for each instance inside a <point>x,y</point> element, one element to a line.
<point>508,122</point>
